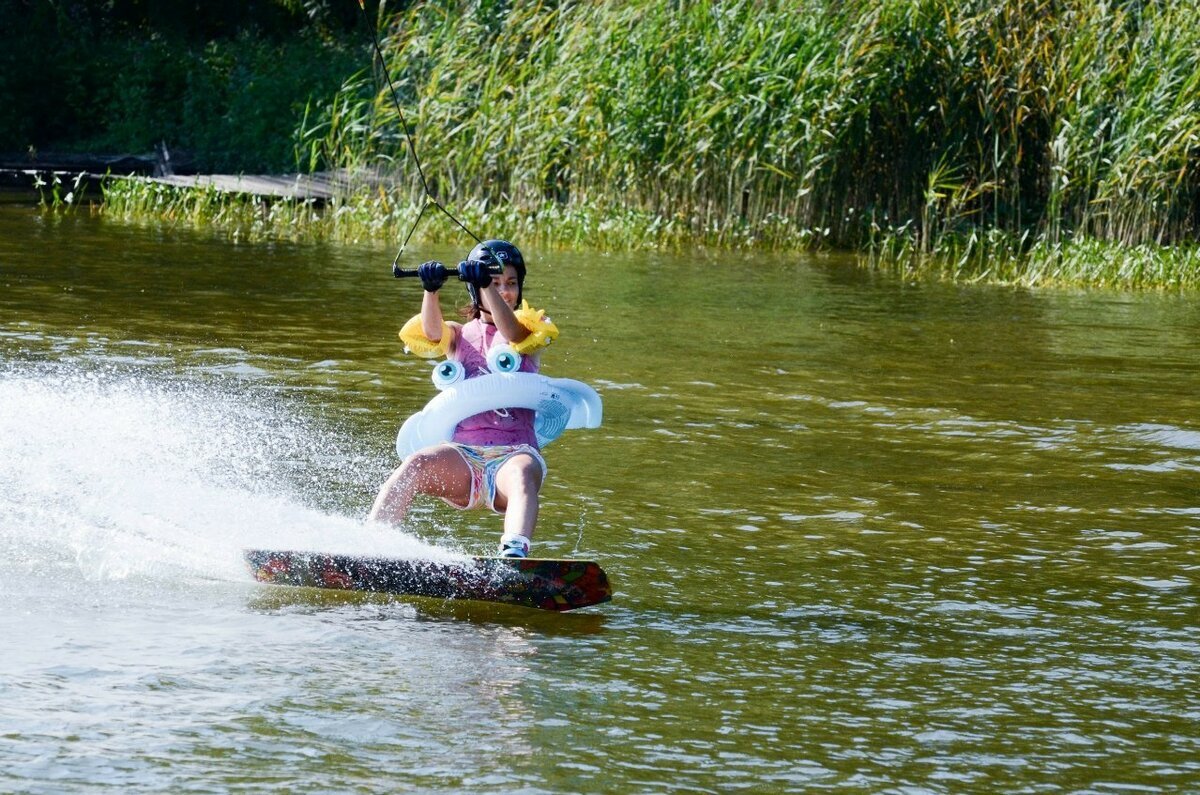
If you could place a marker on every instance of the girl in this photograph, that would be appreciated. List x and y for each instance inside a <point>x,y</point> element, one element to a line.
<point>493,459</point>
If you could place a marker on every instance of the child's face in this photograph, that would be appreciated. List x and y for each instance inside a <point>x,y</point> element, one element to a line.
<point>507,284</point>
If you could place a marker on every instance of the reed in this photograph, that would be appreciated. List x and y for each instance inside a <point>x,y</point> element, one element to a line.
<point>933,135</point>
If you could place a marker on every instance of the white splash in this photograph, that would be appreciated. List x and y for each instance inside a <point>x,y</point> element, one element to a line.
<point>107,475</point>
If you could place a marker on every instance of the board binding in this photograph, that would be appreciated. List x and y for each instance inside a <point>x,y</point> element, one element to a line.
<point>557,585</point>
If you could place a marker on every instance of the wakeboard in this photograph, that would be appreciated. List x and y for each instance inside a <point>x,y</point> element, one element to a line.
<point>528,582</point>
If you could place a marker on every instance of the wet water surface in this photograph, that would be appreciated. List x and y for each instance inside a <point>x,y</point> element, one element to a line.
<point>866,536</point>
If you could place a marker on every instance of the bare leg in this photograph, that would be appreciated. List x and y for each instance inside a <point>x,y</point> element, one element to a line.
<point>438,471</point>
<point>517,485</point>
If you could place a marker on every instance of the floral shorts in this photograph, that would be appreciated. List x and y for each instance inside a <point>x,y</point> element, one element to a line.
<point>484,463</point>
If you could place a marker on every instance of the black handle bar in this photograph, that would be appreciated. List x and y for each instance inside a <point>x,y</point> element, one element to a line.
<point>404,273</point>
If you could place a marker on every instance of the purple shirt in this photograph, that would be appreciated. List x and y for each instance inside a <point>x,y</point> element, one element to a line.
<point>491,428</point>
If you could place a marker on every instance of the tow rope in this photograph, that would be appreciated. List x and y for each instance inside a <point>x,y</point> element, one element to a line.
<point>430,199</point>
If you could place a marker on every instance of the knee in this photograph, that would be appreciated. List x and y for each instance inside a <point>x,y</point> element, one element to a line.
<point>410,471</point>
<point>527,477</point>
<point>418,462</point>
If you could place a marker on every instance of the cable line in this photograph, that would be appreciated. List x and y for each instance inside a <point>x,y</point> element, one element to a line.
<point>430,199</point>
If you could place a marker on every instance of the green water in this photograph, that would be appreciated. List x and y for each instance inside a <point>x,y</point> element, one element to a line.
<point>865,536</point>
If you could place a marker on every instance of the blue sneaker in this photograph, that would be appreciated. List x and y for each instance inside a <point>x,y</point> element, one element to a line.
<point>514,547</point>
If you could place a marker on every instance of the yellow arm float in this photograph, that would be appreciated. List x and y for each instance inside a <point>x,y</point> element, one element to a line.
<point>541,331</point>
<point>415,341</point>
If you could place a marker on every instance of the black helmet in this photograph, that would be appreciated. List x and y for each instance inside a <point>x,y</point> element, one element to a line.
<point>491,251</point>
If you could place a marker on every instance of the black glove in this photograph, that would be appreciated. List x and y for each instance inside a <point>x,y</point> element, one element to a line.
<point>433,276</point>
<point>477,273</point>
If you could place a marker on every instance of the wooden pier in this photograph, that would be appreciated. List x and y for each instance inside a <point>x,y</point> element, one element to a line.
<point>315,187</point>
<point>21,174</point>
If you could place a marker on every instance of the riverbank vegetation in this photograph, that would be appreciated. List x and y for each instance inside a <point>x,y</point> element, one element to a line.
<point>222,83</point>
<point>1029,141</point>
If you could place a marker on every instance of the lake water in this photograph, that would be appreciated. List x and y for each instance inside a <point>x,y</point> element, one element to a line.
<point>865,535</point>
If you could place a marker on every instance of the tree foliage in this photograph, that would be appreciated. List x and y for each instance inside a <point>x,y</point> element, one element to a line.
<point>225,80</point>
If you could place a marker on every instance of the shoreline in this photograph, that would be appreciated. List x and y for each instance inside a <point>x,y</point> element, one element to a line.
<point>329,208</point>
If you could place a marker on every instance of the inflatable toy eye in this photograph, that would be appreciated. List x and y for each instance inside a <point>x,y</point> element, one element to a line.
<point>503,359</point>
<point>448,373</point>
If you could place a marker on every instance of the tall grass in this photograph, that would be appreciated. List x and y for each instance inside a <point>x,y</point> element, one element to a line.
<point>877,124</point>
<point>1030,141</point>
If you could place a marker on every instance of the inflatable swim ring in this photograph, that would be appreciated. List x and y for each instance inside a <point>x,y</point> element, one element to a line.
<point>561,404</point>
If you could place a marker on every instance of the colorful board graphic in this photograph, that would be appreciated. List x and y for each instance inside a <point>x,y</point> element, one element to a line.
<point>528,582</point>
